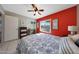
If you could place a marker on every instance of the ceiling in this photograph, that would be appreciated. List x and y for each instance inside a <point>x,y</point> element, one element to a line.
<point>21,9</point>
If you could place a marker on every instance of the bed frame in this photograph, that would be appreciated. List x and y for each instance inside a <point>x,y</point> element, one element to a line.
<point>22,32</point>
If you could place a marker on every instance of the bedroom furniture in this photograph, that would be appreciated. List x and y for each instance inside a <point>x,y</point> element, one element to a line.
<point>32,31</point>
<point>74,37</point>
<point>69,35</point>
<point>72,29</point>
<point>39,43</point>
<point>68,46</point>
<point>23,32</point>
<point>77,42</point>
<point>28,31</point>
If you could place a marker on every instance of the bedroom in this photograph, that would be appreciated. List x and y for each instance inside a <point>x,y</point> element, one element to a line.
<point>54,23</point>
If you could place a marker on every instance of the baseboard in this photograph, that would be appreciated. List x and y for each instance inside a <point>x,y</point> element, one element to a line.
<point>9,40</point>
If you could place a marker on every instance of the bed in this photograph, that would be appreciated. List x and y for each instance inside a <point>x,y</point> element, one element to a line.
<point>68,46</point>
<point>39,43</point>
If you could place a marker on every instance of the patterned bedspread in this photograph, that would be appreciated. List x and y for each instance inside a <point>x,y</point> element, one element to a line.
<point>39,44</point>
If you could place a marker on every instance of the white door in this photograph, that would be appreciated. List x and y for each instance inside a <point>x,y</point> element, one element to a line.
<point>11,28</point>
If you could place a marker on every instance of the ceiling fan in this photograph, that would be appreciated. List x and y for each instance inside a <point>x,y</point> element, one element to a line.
<point>35,9</point>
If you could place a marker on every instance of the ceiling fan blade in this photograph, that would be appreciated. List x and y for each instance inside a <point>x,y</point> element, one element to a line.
<point>35,9</point>
<point>39,13</point>
<point>41,10</point>
<point>33,5</point>
<point>30,10</point>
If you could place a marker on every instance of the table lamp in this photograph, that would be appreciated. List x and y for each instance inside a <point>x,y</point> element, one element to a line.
<point>72,29</point>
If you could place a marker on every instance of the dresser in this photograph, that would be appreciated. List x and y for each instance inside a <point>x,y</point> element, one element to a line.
<point>22,32</point>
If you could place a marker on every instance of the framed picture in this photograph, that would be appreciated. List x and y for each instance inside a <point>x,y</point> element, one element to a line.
<point>45,26</point>
<point>55,24</point>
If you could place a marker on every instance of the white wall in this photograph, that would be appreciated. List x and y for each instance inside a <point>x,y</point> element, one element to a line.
<point>78,17</point>
<point>2,24</point>
<point>25,21</point>
<point>1,9</point>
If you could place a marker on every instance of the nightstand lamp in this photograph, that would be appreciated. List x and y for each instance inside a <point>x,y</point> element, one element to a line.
<point>72,29</point>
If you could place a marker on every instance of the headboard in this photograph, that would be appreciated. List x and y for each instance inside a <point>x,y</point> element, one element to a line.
<point>22,32</point>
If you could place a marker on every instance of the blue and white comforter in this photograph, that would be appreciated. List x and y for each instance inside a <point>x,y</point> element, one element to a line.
<point>39,44</point>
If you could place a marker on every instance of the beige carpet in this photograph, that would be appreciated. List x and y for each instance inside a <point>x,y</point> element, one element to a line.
<point>8,47</point>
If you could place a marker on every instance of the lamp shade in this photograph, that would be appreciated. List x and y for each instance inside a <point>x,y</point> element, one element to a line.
<point>72,28</point>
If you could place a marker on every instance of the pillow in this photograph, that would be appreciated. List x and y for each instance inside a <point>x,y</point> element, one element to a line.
<point>74,37</point>
<point>77,42</point>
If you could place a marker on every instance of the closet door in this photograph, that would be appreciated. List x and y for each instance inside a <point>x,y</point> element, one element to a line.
<point>0,26</point>
<point>11,28</point>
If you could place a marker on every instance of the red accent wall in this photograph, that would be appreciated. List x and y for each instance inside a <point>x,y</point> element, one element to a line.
<point>66,18</point>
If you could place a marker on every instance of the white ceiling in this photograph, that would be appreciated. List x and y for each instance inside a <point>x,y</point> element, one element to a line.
<point>21,9</point>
